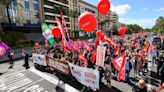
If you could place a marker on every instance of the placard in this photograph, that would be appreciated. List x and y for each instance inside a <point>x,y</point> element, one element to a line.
<point>86,76</point>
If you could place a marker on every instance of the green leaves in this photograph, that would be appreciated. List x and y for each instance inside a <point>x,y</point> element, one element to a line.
<point>159,26</point>
<point>133,28</point>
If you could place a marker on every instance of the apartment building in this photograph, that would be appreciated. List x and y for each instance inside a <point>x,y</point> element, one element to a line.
<point>25,16</point>
<point>52,9</point>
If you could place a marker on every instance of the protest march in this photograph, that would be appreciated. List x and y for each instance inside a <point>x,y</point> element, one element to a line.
<point>94,63</point>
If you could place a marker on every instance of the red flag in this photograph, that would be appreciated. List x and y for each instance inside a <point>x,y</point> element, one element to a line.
<point>109,40</point>
<point>64,26</point>
<point>119,62</point>
<point>82,58</point>
<point>116,51</point>
<point>66,48</point>
<point>93,57</point>
<point>60,27</point>
<point>121,73</point>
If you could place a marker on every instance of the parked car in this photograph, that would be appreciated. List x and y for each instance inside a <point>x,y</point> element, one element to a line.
<point>154,38</point>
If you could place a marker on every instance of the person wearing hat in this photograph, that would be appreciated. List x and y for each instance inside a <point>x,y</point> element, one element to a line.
<point>140,87</point>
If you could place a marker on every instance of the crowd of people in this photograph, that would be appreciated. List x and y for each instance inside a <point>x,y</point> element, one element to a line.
<point>135,59</point>
<point>132,47</point>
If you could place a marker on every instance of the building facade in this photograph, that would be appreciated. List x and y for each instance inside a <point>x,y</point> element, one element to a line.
<point>108,22</point>
<point>35,12</point>
<point>25,16</point>
<point>21,12</point>
<point>52,9</point>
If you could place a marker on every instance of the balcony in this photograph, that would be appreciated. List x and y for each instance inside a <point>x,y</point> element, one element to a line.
<point>60,2</point>
<point>52,14</point>
<point>47,6</point>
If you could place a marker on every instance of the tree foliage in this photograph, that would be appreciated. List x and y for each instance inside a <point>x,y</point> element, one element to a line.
<point>133,28</point>
<point>12,38</point>
<point>159,25</point>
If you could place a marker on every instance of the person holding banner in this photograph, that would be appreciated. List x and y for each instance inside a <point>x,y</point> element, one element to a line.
<point>108,73</point>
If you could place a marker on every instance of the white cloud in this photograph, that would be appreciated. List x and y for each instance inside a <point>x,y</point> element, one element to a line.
<point>143,22</point>
<point>121,9</point>
<point>145,9</point>
<point>160,9</point>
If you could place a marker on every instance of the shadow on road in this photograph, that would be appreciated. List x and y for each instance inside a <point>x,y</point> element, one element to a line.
<point>154,75</point>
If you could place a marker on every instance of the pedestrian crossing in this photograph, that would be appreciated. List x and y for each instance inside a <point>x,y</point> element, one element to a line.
<point>32,80</point>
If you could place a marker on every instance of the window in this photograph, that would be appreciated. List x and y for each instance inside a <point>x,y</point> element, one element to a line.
<point>28,21</point>
<point>36,14</point>
<point>26,4</point>
<point>35,6</point>
<point>14,3</point>
<point>27,13</point>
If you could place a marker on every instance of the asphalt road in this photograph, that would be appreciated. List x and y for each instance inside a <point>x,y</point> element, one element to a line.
<point>19,79</point>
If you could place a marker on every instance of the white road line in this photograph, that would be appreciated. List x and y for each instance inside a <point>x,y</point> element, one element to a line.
<point>5,75</point>
<point>66,86</point>
<point>29,85</point>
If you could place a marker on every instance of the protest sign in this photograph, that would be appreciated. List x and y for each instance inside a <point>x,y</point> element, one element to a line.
<point>39,59</point>
<point>60,66</point>
<point>100,57</point>
<point>85,76</point>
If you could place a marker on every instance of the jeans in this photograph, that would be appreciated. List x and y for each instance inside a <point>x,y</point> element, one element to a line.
<point>153,60</point>
<point>26,62</point>
<point>127,74</point>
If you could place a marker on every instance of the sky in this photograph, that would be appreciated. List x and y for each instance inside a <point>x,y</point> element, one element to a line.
<point>141,12</point>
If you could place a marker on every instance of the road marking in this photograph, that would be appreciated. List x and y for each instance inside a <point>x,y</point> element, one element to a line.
<point>66,86</point>
<point>29,85</point>
<point>12,74</point>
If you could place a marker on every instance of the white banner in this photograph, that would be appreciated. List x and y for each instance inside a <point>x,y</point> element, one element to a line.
<point>39,59</point>
<point>85,76</point>
<point>100,57</point>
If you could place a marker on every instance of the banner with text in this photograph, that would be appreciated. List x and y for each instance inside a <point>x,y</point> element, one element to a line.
<point>86,76</point>
<point>100,57</point>
<point>39,59</point>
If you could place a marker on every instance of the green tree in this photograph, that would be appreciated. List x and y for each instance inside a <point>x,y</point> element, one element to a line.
<point>133,28</point>
<point>8,5</point>
<point>12,38</point>
<point>159,25</point>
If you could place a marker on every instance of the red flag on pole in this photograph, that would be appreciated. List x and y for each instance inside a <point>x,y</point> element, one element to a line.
<point>82,58</point>
<point>116,51</point>
<point>121,73</point>
<point>118,62</point>
<point>64,26</point>
<point>60,27</point>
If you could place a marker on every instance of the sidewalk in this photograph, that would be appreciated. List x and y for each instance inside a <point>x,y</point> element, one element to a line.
<point>17,55</point>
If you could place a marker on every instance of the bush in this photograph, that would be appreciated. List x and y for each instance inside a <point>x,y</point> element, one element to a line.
<point>12,38</point>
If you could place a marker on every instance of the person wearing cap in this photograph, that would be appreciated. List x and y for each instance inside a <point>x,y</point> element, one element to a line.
<point>140,87</point>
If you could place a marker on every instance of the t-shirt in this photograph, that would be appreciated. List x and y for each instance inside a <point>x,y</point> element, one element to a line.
<point>138,89</point>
